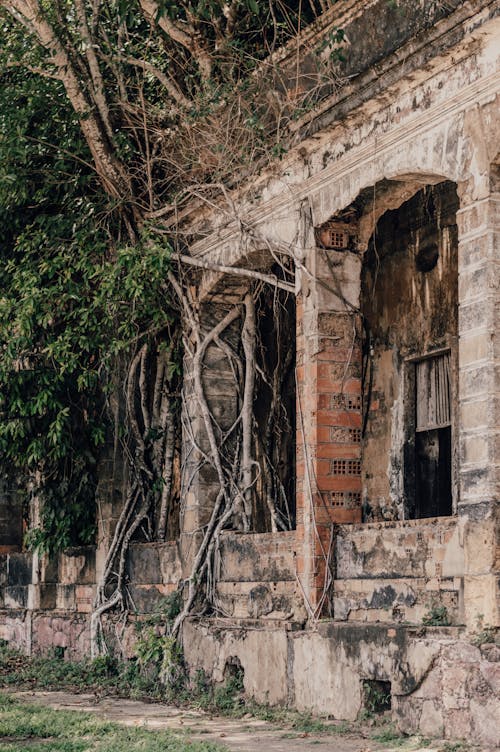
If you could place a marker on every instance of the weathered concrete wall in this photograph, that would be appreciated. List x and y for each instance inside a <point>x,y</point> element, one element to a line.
<point>154,570</point>
<point>48,604</point>
<point>397,24</point>
<point>257,580</point>
<point>263,654</point>
<point>441,685</point>
<point>15,628</point>
<point>257,577</point>
<point>398,571</point>
<point>15,579</point>
<point>458,697</point>
<point>76,577</point>
<point>39,632</point>
<point>482,564</point>
<point>60,630</point>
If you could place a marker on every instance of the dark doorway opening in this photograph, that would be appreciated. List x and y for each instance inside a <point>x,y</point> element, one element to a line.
<point>274,410</point>
<point>433,436</point>
<point>433,497</point>
<point>409,378</point>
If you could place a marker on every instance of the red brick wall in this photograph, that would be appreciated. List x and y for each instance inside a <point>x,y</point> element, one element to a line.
<point>329,419</point>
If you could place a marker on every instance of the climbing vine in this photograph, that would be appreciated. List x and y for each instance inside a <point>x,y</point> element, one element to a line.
<point>116,115</point>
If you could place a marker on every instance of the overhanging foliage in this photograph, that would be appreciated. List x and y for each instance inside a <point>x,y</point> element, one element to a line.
<point>113,114</point>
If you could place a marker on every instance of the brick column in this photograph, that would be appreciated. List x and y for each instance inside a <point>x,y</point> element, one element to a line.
<point>479,403</point>
<point>199,483</point>
<point>328,411</point>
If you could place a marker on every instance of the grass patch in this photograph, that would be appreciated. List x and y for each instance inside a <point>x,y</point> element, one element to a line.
<point>29,728</point>
<point>308,724</point>
<point>110,677</point>
<point>102,675</point>
<point>389,735</point>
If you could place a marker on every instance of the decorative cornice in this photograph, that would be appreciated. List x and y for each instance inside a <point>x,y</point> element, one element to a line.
<point>372,150</point>
<point>370,81</point>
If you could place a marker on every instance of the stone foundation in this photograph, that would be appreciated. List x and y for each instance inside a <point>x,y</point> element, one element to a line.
<point>441,685</point>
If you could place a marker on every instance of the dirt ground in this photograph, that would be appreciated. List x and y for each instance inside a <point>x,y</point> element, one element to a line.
<point>247,734</point>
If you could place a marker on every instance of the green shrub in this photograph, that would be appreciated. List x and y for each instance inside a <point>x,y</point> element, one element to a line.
<point>436,616</point>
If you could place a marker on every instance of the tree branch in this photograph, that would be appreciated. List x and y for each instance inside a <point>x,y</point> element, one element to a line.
<point>111,172</point>
<point>95,72</point>
<point>248,340</point>
<point>186,36</point>
<point>166,81</point>
<point>270,279</point>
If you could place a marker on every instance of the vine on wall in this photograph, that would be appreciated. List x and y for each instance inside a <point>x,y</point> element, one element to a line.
<point>113,116</point>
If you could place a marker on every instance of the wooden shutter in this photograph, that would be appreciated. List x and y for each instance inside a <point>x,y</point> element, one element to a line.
<point>433,379</point>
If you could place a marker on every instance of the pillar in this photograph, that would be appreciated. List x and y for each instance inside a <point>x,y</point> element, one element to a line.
<point>479,403</point>
<point>199,481</point>
<point>329,413</point>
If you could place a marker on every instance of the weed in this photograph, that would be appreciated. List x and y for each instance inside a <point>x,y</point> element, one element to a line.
<point>454,747</point>
<point>389,735</point>
<point>376,697</point>
<point>104,667</point>
<point>306,723</point>
<point>340,728</point>
<point>228,696</point>
<point>103,675</point>
<point>484,634</point>
<point>159,656</point>
<point>201,690</point>
<point>266,712</point>
<point>436,616</point>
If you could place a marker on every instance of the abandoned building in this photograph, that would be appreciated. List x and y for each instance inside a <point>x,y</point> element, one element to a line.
<point>382,567</point>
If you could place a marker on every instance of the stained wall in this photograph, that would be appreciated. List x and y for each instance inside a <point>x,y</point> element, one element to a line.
<point>410,307</point>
